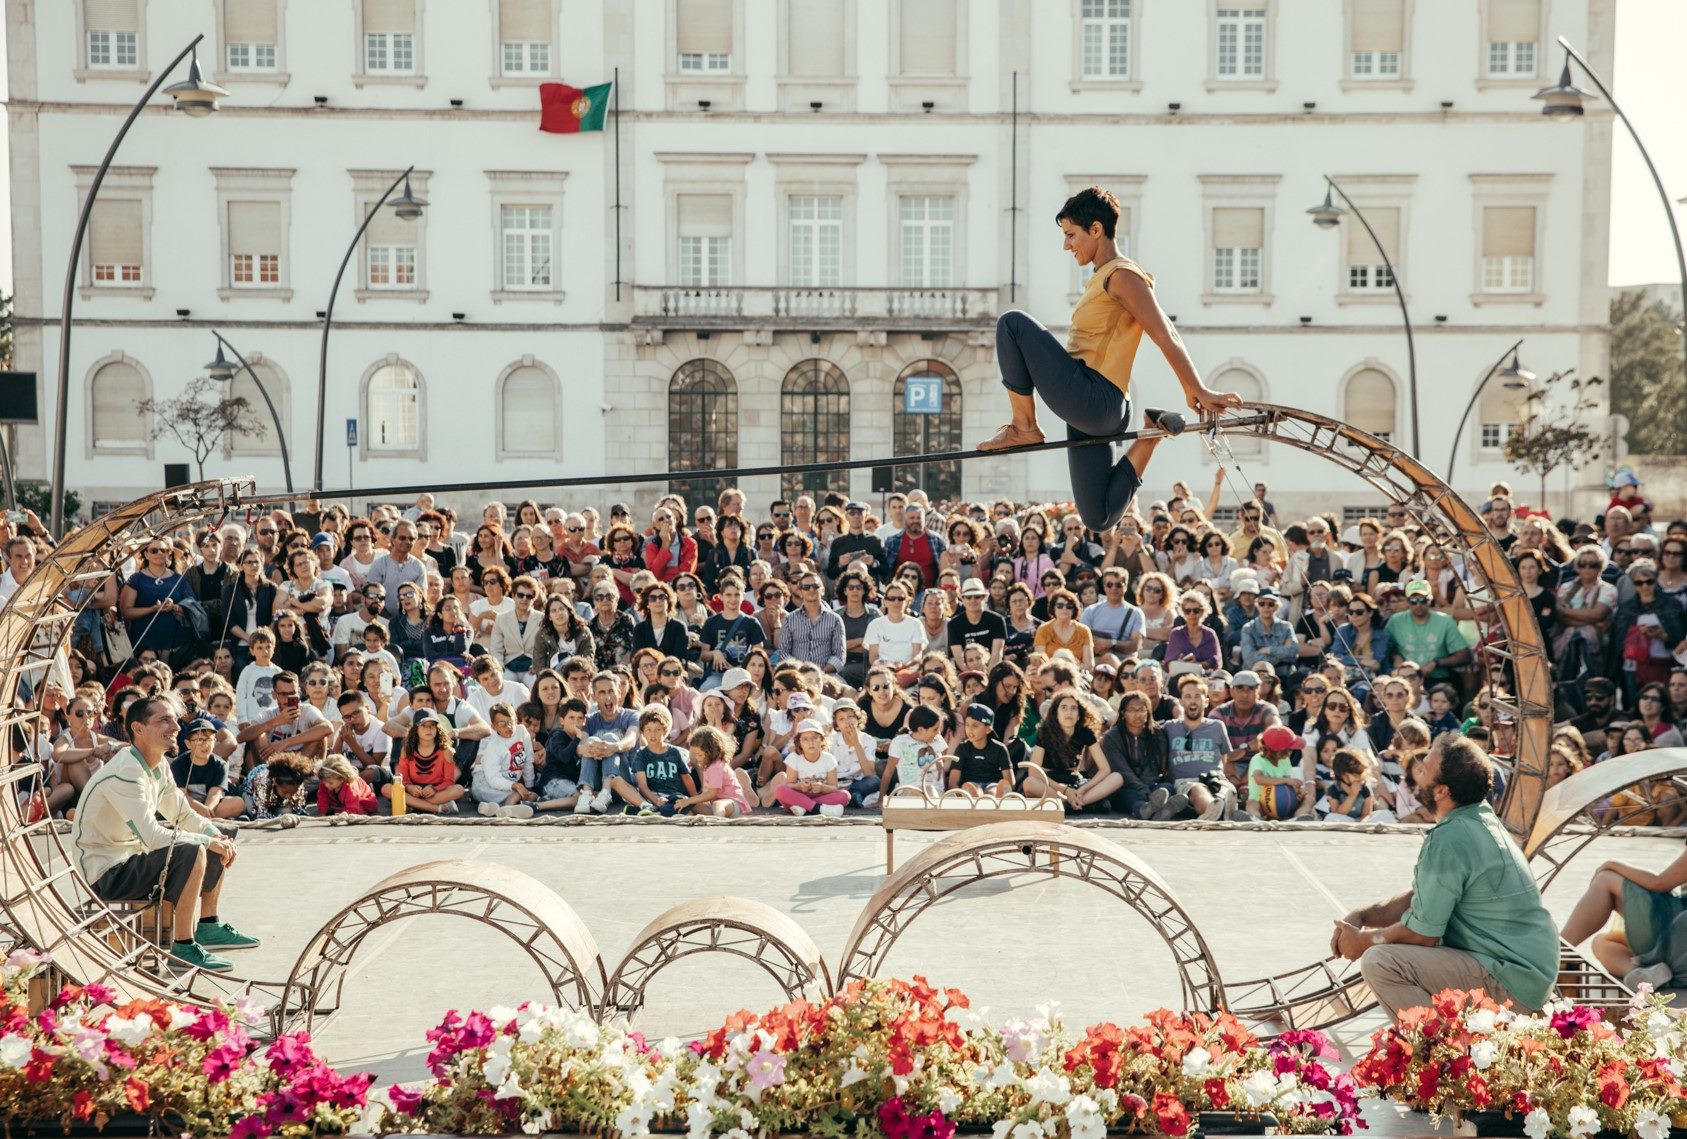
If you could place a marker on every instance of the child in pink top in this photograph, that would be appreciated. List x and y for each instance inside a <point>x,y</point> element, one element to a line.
<point>723,795</point>
<point>811,775</point>
<point>340,790</point>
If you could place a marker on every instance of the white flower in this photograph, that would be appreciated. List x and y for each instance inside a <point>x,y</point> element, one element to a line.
<point>949,1100</point>
<point>634,1119</point>
<point>510,1088</point>
<point>699,1121</point>
<point>129,1031</point>
<point>180,1018</point>
<point>1027,1131</point>
<point>1582,1120</point>
<point>1049,1087</point>
<point>536,1125</point>
<point>1001,1129</point>
<point>14,1051</point>
<point>500,1015</point>
<point>1482,1021</point>
<point>1651,1125</point>
<point>1260,1088</point>
<point>1083,1119</point>
<point>1483,1054</point>
<point>853,1074</point>
<point>1005,1076</point>
<point>1196,1062</point>
<point>1020,1040</point>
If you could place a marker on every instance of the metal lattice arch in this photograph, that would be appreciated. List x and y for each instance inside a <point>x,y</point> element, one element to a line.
<point>515,904</point>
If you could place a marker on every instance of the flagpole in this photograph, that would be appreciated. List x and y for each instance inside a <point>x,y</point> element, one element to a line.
<point>616,79</point>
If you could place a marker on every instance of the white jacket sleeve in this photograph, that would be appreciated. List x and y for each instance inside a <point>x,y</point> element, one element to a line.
<point>490,762</point>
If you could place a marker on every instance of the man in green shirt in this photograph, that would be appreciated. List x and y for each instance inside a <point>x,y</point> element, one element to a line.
<point>1428,639</point>
<point>1473,918</point>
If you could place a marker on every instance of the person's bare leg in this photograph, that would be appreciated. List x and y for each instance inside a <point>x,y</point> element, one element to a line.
<point>1612,951</point>
<point>1024,411</point>
<point>1604,897</point>
<point>187,910</point>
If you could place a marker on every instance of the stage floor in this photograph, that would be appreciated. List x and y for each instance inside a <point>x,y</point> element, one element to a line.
<point>1263,899</point>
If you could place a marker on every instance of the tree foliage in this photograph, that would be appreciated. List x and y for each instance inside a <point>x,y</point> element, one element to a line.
<point>201,418</point>
<point>5,331</point>
<point>38,496</point>
<point>1647,383</point>
<point>1555,432</point>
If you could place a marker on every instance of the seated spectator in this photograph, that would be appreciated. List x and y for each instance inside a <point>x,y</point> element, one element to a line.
<point>361,740</point>
<point>290,725</point>
<point>515,630</point>
<point>427,766</point>
<point>1348,799</point>
<point>810,780</point>
<point>201,776</point>
<point>669,551</point>
<point>448,635</point>
<point>340,790</point>
<point>1198,745</point>
<point>725,793</point>
<point>661,782</point>
<point>276,787</point>
<point>612,733</point>
<point>1068,746</point>
<point>1276,789</point>
<point>1245,719</point>
<point>1192,642</point>
<point>502,784</point>
<point>916,756</point>
<point>1429,639</point>
<point>612,629</point>
<point>981,763</point>
<point>1114,622</point>
<point>1064,631</point>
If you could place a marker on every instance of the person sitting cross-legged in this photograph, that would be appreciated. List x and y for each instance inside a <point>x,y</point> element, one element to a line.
<point>127,855</point>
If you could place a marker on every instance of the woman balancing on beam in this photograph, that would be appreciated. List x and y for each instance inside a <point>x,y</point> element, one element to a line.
<point>1087,380</point>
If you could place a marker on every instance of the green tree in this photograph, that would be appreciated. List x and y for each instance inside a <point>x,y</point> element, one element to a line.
<point>5,331</point>
<point>38,496</point>
<point>1554,433</point>
<point>1647,383</point>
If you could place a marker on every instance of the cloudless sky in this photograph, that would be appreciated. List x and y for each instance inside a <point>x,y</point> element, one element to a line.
<point>1650,38</point>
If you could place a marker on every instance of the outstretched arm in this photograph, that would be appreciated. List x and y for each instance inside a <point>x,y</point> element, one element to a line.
<point>1135,294</point>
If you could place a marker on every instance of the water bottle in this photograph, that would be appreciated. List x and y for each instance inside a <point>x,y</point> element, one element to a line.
<point>398,804</point>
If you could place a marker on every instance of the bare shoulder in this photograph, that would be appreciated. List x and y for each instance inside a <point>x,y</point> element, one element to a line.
<point>1131,285</point>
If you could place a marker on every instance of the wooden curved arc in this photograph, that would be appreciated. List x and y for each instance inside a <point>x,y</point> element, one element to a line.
<point>995,849</point>
<point>542,924</point>
<point>715,925</point>
<point>1572,798</point>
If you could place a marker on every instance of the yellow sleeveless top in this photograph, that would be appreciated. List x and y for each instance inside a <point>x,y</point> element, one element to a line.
<point>1104,334</point>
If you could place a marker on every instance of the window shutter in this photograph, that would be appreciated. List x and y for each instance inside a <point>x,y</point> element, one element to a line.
<point>387,228</point>
<point>1514,21</point>
<point>1508,231</point>
<point>112,15</point>
<point>705,26</point>
<point>928,37</point>
<point>115,233</point>
<point>815,37</point>
<point>254,227</point>
<point>1500,405</point>
<point>1235,228</point>
<point>389,15</point>
<point>1370,402</point>
<point>529,412</point>
<point>1360,249</point>
<point>263,441</point>
<point>524,21</point>
<point>250,22</point>
<point>1379,25</point>
<point>118,388</point>
<point>705,215</point>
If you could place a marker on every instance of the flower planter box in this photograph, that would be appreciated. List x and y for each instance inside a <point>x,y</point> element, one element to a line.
<point>119,1126</point>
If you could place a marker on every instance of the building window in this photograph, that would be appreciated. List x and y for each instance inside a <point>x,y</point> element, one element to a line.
<point>527,242</point>
<point>1366,268</point>
<point>1513,38</point>
<point>392,266</point>
<point>389,53</point>
<point>1368,402</point>
<point>1508,249</point>
<point>395,408</point>
<point>1245,382</point>
<point>1493,436</point>
<point>816,241</point>
<point>527,58</point>
<point>115,394</point>
<point>705,239</point>
<point>928,241</point>
<point>254,244</point>
<point>922,433</point>
<point>1241,43</point>
<point>704,36</point>
<point>113,50</point>
<point>115,244</point>
<point>1238,249</point>
<point>702,427</point>
<point>524,37</point>
<point>1377,38</point>
<point>815,35</point>
<point>927,38</point>
<point>251,57</point>
<point>528,404</point>
<point>813,425</point>
<point>262,441</point>
<point>1105,39</point>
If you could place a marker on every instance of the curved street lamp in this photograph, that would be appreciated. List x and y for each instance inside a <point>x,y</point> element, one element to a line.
<point>1517,377</point>
<point>195,97</point>
<point>222,371</point>
<point>1562,102</point>
<point>408,207</point>
<point>1328,216</point>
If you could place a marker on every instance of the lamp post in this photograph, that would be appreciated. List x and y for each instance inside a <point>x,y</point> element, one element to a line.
<point>408,207</point>
<point>1516,376</point>
<point>195,97</point>
<point>222,371</point>
<point>1563,103</point>
<point>1327,216</point>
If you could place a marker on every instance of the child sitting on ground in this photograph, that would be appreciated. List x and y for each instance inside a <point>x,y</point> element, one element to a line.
<point>858,764</point>
<point>726,790</point>
<point>340,790</point>
<point>811,775</point>
<point>1349,797</point>
<point>556,755</point>
<point>426,766</point>
<point>276,788</point>
<point>665,785</point>
<point>1275,788</point>
<point>916,755</point>
<point>981,764</point>
<point>503,769</point>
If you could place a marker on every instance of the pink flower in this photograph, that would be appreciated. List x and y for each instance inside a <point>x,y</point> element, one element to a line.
<point>290,1054</point>
<point>1568,1022</point>
<point>766,1070</point>
<point>251,1127</point>
<point>220,1064</point>
<point>406,1100</point>
<point>99,995</point>
<point>211,1022</point>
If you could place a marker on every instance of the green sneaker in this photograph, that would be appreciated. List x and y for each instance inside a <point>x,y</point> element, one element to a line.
<point>192,956</point>
<point>646,811</point>
<point>221,935</point>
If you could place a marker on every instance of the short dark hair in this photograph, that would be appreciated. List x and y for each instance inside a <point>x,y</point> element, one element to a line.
<point>923,716</point>
<point>1092,205</point>
<point>1466,770</point>
<point>347,699</point>
<point>573,704</point>
<point>139,712</point>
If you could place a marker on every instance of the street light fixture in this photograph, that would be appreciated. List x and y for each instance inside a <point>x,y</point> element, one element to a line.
<point>1328,215</point>
<point>1515,377</point>
<point>195,98</point>
<point>222,371</point>
<point>408,207</point>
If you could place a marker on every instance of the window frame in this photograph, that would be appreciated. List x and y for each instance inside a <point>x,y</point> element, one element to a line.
<point>1128,22</point>
<point>365,437</point>
<point>703,174</point>
<point>1266,80</point>
<point>254,184</point>
<point>1403,80</point>
<point>816,412</point>
<point>818,175</point>
<point>225,73</point>
<point>1246,445</point>
<point>90,450</point>
<point>501,448</point>
<point>1344,387</point>
<point>689,425</point>
<point>528,188</point>
<point>498,77</point>
<point>833,92</point>
<point>367,187</point>
<point>83,70</point>
<point>280,387</point>
<point>909,93</point>
<point>1520,190</point>
<point>415,76</point>
<point>722,87</point>
<point>1238,191</point>
<point>1486,78</point>
<point>122,183</point>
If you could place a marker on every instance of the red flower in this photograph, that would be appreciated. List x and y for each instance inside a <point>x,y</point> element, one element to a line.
<point>137,1093</point>
<point>82,1106</point>
<point>1479,1093</point>
<point>1429,1083</point>
<point>40,1067</point>
<point>1218,1094</point>
<point>1613,1092</point>
<point>1172,1115</point>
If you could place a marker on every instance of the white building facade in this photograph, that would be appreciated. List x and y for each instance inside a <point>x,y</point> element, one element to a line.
<point>815,200</point>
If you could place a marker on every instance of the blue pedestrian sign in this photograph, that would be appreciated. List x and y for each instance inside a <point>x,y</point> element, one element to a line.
<point>351,432</point>
<point>922,395</point>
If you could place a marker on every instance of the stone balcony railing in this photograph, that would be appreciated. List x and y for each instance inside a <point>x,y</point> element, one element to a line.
<point>794,307</point>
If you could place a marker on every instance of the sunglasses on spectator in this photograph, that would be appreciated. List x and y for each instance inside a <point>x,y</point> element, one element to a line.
<point>575,529</point>
<point>1058,605</point>
<point>1314,689</point>
<point>809,586</point>
<point>1417,601</point>
<point>1619,551</point>
<point>603,597</point>
<point>878,687</point>
<point>1645,581</point>
<point>265,533</point>
<point>317,682</point>
<point>1587,565</point>
<point>1351,609</point>
<point>668,672</point>
<point>1192,609</point>
<point>1114,585</point>
<point>1338,706</point>
<point>896,597</point>
<point>524,595</point>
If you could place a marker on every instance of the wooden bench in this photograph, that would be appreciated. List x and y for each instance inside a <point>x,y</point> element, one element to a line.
<point>914,809</point>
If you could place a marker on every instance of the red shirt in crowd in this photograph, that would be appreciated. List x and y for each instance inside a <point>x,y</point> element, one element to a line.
<point>918,551</point>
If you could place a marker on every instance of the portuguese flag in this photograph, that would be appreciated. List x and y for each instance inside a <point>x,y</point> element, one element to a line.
<point>570,110</point>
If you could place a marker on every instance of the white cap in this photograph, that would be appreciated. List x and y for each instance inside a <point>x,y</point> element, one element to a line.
<point>733,677</point>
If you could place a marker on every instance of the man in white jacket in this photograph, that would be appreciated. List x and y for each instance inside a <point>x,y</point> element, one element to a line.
<point>514,631</point>
<point>127,855</point>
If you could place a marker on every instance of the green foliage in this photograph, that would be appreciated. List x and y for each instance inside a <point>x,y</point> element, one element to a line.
<point>1647,383</point>
<point>5,330</point>
<point>38,496</point>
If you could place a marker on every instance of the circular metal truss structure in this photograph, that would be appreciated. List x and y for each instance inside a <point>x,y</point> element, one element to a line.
<point>515,904</point>
<point>751,930</point>
<point>1586,805</point>
<point>45,904</point>
<point>1014,849</point>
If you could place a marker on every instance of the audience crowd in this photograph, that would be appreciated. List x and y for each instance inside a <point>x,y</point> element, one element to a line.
<point>811,657</point>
